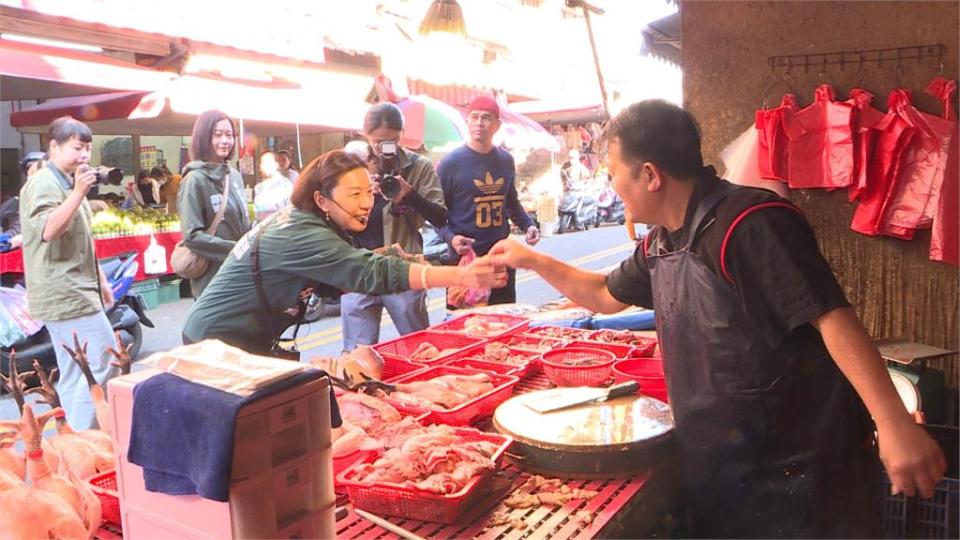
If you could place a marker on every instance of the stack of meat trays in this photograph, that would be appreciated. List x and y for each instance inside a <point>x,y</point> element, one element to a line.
<point>281,479</point>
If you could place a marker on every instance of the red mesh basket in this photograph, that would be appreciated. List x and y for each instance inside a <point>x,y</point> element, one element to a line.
<point>403,347</point>
<point>556,365</point>
<point>512,324</point>
<point>559,332</point>
<point>622,352</point>
<point>394,367</point>
<point>104,485</point>
<point>465,413</point>
<point>388,499</point>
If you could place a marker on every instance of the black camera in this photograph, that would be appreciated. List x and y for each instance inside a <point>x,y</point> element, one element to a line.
<point>388,168</point>
<point>109,175</point>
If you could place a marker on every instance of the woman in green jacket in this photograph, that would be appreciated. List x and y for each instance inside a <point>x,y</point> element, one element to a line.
<point>307,246</point>
<point>212,144</point>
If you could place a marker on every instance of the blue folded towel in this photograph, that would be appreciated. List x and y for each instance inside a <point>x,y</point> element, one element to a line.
<point>182,433</point>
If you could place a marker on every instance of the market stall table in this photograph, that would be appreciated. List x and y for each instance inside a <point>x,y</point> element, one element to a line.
<point>12,261</point>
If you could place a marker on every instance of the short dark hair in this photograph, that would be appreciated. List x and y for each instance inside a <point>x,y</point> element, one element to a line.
<point>66,127</point>
<point>283,153</point>
<point>157,172</point>
<point>383,114</point>
<point>322,174</point>
<point>660,132</point>
<point>143,174</point>
<point>201,138</point>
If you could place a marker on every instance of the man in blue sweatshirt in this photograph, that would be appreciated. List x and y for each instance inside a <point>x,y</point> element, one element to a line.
<point>480,192</point>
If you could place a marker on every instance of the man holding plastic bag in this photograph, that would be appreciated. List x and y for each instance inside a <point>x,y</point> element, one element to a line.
<point>479,189</point>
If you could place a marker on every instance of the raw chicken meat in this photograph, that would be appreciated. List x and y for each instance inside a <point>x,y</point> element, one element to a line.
<point>10,461</point>
<point>498,352</point>
<point>446,391</point>
<point>438,460</point>
<point>353,365</point>
<point>425,352</point>
<point>368,424</point>
<point>537,491</point>
<point>9,480</point>
<point>483,327</point>
<point>39,515</point>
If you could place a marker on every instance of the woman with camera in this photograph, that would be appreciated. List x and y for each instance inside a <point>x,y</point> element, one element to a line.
<point>408,194</point>
<point>260,289</point>
<point>66,288</point>
<point>212,202</point>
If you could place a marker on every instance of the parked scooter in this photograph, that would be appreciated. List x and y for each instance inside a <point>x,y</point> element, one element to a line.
<point>610,207</point>
<point>126,315</point>
<point>577,210</point>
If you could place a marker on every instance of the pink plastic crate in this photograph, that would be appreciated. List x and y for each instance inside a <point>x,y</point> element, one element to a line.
<point>403,347</point>
<point>528,342</point>
<point>513,324</point>
<point>622,352</point>
<point>561,373</point>
<point>559,332</point>
<point>394,367</point>
<point>387,499</point>
<point>104,486</point>
<point>465,413</point>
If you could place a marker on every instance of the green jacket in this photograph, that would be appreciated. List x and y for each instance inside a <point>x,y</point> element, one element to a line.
<point>405,229</point>
<point>61,275</point>
<point>197,202</point>
<point>298,249</point>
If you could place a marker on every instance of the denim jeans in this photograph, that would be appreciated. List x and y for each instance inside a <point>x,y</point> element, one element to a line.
<point>361,315</point>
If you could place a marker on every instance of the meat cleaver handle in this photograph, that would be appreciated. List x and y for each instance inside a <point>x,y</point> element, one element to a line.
<point>623,389</point>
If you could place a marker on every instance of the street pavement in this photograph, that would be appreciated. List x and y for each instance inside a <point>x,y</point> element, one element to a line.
<point>595,249</point>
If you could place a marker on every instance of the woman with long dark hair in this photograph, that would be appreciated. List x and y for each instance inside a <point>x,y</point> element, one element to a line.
<point>258,292</point>
<point>209,182</point>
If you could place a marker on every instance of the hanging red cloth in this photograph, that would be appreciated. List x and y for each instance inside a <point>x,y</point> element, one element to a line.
<point>773,138</point>
<point>821,143</point>
<point>895,133</point>
<point>924,164</point>
<point>945,238</point>
<point>865,132</point>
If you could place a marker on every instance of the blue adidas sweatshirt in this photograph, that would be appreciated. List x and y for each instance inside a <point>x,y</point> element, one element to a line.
<point>481,194</point>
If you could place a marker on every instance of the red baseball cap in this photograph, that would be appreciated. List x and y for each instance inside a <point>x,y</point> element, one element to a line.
<point>484,103</point>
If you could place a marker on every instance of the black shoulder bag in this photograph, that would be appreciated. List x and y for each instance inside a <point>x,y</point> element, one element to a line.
<point>276,350</point>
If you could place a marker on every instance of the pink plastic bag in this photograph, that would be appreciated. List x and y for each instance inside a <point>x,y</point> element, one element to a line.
<point>464,297</point>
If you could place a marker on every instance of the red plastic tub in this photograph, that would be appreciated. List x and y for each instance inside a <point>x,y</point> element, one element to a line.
<point>403,347</point>
<point>465,413</point>
<point>104,485</point>
<point>622,352</point>
<point>512,324</point>
<point>388,499</point>
<point>556,366</point>
<point>648,372</point>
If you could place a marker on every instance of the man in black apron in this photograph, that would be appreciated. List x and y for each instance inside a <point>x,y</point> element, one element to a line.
<point>768,368</point>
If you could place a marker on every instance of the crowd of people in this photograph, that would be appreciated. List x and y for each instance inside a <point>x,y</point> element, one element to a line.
<point>780,398</point>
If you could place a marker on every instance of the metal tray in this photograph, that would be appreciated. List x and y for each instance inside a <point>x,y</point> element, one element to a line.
<point>903,351</point>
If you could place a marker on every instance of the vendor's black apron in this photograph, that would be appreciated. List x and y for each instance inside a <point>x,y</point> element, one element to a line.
<point>771,448</point>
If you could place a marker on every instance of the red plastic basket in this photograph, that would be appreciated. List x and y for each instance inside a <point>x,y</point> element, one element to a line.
<point>495,368</point>
<point>104,485</point>
<point>394,367</point>
<point>648,372</point>
<point>622,352</point>
<point>387,499</point>
<point>341,463</point>
<point>559,332</point>
<point>528,342</point>
<point>560,373</point>
<point>531,364</point>
<point>643,346</point>
<point>403,347</point>
<point>465,413</point>
<point>513,324</point>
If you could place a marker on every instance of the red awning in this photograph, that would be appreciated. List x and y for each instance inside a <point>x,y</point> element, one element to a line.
<point>39,72</point>
<point>172,110</point>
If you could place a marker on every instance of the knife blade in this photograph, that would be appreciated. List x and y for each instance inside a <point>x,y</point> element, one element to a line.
<point>572,397</point>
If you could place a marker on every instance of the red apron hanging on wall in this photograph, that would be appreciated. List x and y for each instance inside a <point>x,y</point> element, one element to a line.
<point>894,134</point>
<point>915,200</point>
<point>821,143</point>
<point>945,240</point>
<point>866,118</point>
<point>773,138</point>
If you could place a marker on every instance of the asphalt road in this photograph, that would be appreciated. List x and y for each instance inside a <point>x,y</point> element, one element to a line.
<point>596,249</point>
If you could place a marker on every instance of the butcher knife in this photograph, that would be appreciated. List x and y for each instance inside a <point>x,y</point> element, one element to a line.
<point>564,398</point>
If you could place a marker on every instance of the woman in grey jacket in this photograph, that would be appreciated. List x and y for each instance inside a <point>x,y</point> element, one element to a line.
<point>212,144</point>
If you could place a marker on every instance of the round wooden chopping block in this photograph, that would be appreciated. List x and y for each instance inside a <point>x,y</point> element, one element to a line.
<point>619,437</point>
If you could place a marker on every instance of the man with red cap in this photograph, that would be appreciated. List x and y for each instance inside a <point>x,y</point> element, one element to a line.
<point>478,181</point>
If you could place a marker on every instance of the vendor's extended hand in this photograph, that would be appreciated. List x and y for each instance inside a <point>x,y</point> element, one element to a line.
<point>532,236</point>
<point>913,460</point>
<point>461,243</point>
<point>483,274</point>
<point>509,252</point>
